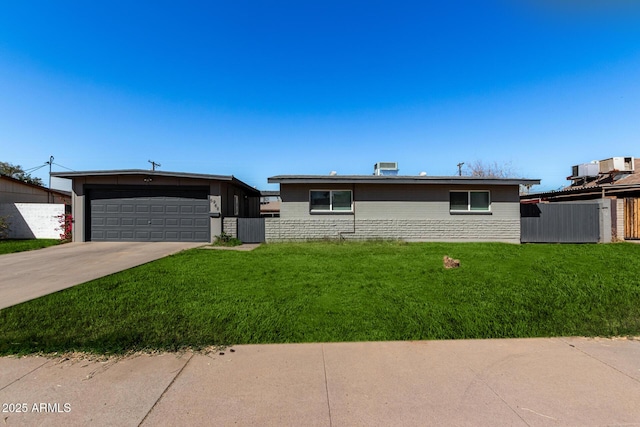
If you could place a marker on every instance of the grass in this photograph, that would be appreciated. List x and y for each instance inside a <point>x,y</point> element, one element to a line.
<point>11,246</point>
<point>325,292</point>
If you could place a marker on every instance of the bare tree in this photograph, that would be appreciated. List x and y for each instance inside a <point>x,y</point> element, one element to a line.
<point>494,169</point>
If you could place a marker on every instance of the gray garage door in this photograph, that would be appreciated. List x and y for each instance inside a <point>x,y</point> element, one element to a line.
<point>149,215</point>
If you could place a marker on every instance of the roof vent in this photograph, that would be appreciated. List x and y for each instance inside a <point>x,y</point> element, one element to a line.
<point>386,168</point>
<point>423,174</point>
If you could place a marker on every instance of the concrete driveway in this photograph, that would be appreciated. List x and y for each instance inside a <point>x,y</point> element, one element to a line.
<point>32,274</point>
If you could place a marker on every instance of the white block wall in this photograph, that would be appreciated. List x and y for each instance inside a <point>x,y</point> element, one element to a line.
<point>33,220</point>
<point>230,226</point>
<point>472,229</point>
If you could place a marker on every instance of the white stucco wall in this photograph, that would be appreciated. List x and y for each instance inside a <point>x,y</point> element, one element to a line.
<point>33,220</point>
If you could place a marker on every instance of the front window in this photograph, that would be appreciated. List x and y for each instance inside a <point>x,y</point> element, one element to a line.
<point>469,201</point>
<point>330,201</point>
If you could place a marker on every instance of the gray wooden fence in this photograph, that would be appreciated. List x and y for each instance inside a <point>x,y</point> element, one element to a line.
<point>563,222</point>
<point>251,230</point>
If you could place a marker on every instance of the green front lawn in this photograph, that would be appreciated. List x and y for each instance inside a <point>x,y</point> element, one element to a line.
<point>11,246</point>
<point>314,292</point>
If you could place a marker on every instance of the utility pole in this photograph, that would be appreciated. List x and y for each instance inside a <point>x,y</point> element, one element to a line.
<point>460,168</point>
<point>154,164</point>
<point>50,162</point>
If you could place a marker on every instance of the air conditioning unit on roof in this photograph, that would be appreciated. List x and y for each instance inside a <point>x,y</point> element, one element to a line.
<point>585,170</point>
<point>386,168</point>
<point>617,164</point>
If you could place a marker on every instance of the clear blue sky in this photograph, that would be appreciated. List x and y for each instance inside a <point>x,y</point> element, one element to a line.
<point>256,89</point>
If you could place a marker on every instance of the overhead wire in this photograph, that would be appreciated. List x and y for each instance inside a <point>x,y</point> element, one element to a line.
<point>64,167</point>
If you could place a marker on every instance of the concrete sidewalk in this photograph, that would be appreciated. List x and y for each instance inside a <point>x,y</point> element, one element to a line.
<point>527,382</point>
<point>32,274</point>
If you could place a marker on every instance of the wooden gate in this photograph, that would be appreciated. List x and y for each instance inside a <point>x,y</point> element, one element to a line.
<point>632,218</point>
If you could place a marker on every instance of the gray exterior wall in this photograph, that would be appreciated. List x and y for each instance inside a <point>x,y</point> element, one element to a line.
<point>411,212</point>
<point>218,198</point>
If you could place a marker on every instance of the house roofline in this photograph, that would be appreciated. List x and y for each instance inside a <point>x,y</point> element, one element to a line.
<point>377,179</point>
<point>229,178</point>
<point>582,191</point>
<point>36,186</point>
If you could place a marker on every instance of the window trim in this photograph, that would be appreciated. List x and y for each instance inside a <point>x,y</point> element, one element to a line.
<point>331,210</point>
<point>470,211</point>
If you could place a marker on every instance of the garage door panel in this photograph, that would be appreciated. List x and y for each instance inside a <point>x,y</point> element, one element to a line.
<point>201,236</point>
<point>172,209</point>
<point>144,218</point>
<point>187,210</point>
<point>97,235</point>
<point>201,222</point>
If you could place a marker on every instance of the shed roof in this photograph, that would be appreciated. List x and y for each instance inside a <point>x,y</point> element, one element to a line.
<point>60,193</point>
<point>407,179</point>
<point>230,178</point>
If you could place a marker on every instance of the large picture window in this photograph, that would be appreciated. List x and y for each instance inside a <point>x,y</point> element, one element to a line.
<point>330,201</point>
<point>469,201</point>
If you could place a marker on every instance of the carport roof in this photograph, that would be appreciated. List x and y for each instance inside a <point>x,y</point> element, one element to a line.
<point>230,178</point>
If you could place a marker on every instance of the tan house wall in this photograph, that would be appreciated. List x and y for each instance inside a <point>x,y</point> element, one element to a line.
<point>12,191</point>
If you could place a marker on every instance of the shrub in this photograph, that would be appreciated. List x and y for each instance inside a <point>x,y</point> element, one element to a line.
<point>4,227</point>
<point>66,226</point>
<point>226,240</point>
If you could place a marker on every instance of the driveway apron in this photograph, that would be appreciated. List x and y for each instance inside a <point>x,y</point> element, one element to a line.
<point>32,274</point>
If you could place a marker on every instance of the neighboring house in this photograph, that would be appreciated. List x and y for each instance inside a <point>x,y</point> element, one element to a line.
<point>15,191</point>
<point>143,205</point>
<point>411,208</point>
<point>616,179</point>
<point>270,204</point>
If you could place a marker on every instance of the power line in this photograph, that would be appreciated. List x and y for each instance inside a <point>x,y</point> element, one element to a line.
<point>34,169</point>
<point>64,167</point>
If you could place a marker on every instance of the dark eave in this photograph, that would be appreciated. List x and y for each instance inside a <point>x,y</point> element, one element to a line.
<point>374,179</point>
<point>145,172</point>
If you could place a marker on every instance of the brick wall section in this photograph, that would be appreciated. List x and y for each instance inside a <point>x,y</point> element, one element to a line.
<point>230,226</point>
<point>471,229</point>
<point>279,229</point>
<point>33,220</point>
